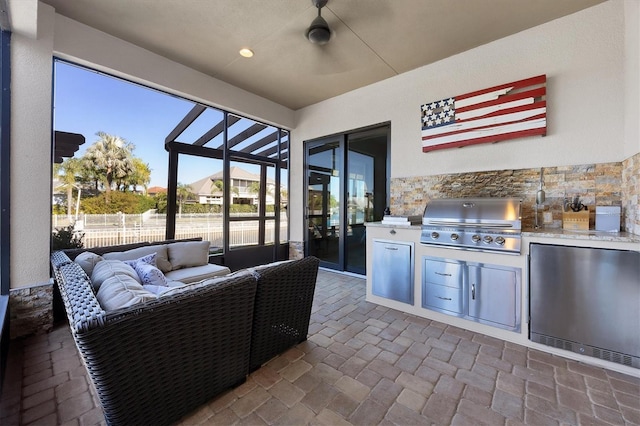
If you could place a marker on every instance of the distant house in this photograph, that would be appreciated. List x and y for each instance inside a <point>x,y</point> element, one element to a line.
<point>244,188</point>
<point>155,190</point>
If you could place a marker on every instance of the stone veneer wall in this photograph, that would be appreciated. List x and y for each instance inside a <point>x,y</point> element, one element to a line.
<point>596,184</point>
<point>631,193</point>
<point>31,310</point>
<point>605,184</point>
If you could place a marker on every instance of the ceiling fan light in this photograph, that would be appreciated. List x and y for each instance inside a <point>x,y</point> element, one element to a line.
<point>319,31</point>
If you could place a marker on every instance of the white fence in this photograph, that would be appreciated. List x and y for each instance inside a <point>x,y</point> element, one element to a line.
<point>106,230</point>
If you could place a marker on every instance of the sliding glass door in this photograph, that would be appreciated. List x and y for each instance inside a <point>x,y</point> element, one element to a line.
<point>324,165</point>
<point>347,186</point>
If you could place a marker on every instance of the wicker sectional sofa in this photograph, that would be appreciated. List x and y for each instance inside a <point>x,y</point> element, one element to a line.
<point>155,361</point>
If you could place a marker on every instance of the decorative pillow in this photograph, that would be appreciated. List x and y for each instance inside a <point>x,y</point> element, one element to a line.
<point>88,261</point>
<point>121,291</point>
<point>109,268</point>
<point>148,259</point>
<point>162,258</point>
<point>188,253</point>
<point>150,275</point>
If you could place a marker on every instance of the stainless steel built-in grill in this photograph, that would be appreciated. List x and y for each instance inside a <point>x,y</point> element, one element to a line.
<point>481,224</point>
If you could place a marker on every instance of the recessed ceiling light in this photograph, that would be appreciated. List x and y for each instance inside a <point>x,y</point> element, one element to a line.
<point>247,53</point>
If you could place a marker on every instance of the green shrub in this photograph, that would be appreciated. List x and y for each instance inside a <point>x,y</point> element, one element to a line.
<point>125,202</point>
<point>66,237</point>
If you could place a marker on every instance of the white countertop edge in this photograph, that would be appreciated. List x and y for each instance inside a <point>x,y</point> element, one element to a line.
<point>626,237</point>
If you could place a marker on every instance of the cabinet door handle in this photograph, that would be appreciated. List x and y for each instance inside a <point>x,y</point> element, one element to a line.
<point>392,232</point>
<point>473,291</point>
<point>391,248</point>
<point>443,298</point>
<point>444,275</point>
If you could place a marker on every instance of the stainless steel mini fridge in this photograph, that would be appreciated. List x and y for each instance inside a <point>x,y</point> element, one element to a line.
<point>586,300</point>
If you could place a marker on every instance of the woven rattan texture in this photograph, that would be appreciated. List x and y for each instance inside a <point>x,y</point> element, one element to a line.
<point>155,362</point>
<point>282,308</point>
<point>58,259</point>
<point>83,310</point>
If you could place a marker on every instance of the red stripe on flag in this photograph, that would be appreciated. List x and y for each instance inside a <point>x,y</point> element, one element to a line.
<point>535,93</point>
<point>488,139</point>
<point>540,79</point>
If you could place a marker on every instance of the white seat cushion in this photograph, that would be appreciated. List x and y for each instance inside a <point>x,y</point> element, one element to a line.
<point>197,273</point>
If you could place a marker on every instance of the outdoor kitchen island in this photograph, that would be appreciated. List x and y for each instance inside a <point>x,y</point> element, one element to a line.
<point>407,239</point>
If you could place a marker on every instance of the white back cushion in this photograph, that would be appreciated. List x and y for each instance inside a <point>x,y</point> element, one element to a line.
<point>162,259</point>
<point>88,261</point>
<point>109,268</point>
<point>188,253</point>
<point>122,291</point>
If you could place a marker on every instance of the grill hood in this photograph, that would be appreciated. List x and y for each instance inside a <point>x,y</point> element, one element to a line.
<point>488,213</point>
<point>480,224</point>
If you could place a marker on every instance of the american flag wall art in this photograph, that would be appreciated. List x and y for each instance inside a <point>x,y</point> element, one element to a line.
<point>508,111</point>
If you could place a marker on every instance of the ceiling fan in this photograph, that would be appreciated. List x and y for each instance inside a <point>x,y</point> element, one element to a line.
<point>319,31</point>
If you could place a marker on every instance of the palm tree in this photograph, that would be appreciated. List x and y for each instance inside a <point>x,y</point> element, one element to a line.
<point>67,172</point>
<point>183,192</point>
<point>110,158</point>
<point>141,175</point>
<point>218,186</point>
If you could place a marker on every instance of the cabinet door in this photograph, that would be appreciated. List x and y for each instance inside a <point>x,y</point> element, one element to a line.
<point>493,295</point>
<point>392,275</point>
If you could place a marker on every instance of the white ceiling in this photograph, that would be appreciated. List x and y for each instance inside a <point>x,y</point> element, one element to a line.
<point>373,39</point>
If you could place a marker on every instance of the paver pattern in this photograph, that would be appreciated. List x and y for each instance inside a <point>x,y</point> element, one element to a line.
<point>363,364</point>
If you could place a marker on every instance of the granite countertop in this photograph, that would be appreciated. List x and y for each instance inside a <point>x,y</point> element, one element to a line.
<point>549,233</point>
<point>582,235</point>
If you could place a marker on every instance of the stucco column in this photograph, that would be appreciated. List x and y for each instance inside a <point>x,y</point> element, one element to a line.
<point>31,98</point>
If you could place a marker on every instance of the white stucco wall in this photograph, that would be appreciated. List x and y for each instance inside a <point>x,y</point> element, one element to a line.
<point>31,149</point>
<point>632,77</point>
<point>583,58</point>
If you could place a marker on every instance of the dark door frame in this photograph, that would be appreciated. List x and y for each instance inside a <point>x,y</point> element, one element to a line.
<point>343,139</point>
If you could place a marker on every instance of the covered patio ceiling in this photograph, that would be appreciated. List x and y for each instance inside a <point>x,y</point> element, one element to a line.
<point>372,40</point>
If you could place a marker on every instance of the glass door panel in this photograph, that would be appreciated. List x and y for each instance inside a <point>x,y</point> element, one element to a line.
<point>324,165</point>
<point>366,191</point>
<point>347,186</point>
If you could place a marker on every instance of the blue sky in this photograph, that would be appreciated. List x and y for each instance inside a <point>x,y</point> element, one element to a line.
<point>87,102</point>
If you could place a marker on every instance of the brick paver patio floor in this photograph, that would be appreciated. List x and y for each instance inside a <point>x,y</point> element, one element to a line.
<point>363,364</point>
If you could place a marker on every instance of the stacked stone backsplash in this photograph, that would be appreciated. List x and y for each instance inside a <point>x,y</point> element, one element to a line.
<point>631,193</point>
<point>31,310</point>
<point>595,184</point>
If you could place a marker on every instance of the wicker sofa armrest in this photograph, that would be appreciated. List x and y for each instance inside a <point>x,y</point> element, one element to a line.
<point>283,307</point>
<point>82,307</point>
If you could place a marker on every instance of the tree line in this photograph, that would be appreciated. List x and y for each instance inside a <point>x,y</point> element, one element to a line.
<point>107,165</point>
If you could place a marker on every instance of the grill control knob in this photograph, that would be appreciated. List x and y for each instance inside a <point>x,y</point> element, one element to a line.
<point>500,241</point>
<point>487,239</point>
<point>475,238</point>
<point>435,235</point>
<point>454,237</point>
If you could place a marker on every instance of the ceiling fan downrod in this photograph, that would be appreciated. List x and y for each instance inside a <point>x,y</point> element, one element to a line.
<point>319,31</point>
